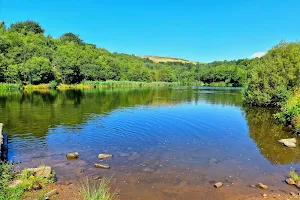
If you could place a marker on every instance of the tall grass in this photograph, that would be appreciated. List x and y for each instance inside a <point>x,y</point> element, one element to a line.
<point>100,190</point>
<point>10,86</point>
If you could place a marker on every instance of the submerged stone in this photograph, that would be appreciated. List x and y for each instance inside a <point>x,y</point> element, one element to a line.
<point>72,155</point>
<point>212,161</point>
<point>102,166</point>
<point>262,186</point>
<point>103,156</point>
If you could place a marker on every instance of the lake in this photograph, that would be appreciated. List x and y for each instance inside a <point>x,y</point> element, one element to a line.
<point>168,143</point>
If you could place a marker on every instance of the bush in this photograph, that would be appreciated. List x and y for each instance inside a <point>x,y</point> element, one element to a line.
<point>274,77</point>
<point>290,112</point>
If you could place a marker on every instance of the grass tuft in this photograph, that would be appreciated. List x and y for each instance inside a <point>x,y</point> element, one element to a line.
<point>100,190</point>
<point>294,175</point>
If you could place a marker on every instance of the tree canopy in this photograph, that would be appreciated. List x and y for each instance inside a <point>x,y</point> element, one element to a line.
<point>28,56</point>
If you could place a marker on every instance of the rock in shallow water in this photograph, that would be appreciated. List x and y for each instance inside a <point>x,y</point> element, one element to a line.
<point>262,186</point>
<point>292,140</point>
<point>218,184</point>
<point>290,181</point>
<point>212,161</point>
<point>102,166</point>
<point>103,156</point>
<point>72,155</point>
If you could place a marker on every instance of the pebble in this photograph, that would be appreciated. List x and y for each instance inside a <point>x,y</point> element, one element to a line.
<point>103,156</point>
<point>218,184</point>
<point>50,194</point>
<point>262,186</point>
<point>72,155</point>
<point>101,166</point>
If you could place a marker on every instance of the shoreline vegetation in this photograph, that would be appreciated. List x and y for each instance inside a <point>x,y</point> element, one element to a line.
<point>103,84</point>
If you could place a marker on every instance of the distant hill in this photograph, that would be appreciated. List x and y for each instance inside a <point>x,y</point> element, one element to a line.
<point>158,59</point>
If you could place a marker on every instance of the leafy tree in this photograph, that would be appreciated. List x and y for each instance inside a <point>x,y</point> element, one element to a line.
<point>70,37</point>
<point>2,27</point>
<point>37,70</point>
<point>27,27</point>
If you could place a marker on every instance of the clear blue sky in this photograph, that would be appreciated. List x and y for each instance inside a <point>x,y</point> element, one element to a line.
<point>192,29</point>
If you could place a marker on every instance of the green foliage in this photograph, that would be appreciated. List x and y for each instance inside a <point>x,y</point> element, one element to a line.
<point>70,37</point>
<point>37,70</point>
<point>290,111</point>
<point>28,57</point>
<point>28,180</point>
<point>97,190</point>
<point>274,76</point>
<point>2,27</point>
<point>27,27</point>
<point>294,175</point>
<point>53,84</point>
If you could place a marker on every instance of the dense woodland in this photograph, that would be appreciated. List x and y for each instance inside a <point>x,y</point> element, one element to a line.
<point>27,56</point>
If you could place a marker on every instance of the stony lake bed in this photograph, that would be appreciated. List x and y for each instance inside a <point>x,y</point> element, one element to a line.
<point>167,143</point>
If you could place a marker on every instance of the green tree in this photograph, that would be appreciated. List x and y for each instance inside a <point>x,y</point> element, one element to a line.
<point>27,27</point>
<point>70,37</point>
<point>37,70</point>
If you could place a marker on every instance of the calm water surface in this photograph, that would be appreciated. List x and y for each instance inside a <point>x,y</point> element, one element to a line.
<point>168,143</point>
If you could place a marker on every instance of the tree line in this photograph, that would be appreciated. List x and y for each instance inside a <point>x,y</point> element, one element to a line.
<point>27,56</point>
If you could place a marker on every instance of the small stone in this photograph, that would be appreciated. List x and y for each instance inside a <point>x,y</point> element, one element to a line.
<point>262,186</point>
<point>264,195</point>
<point>252,186</point>
<point>290,181</point>
<point>103,156</point>
<point>218,184</point>
<point>101,166</point>
<point>73,155</point>
<point>50,194</point>
<point>212,161</point>
<point>293,194</point>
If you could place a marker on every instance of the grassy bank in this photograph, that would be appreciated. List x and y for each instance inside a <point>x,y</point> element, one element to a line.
<point>105,84</point>
<point>85,84</point>
<point>13,185</point>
